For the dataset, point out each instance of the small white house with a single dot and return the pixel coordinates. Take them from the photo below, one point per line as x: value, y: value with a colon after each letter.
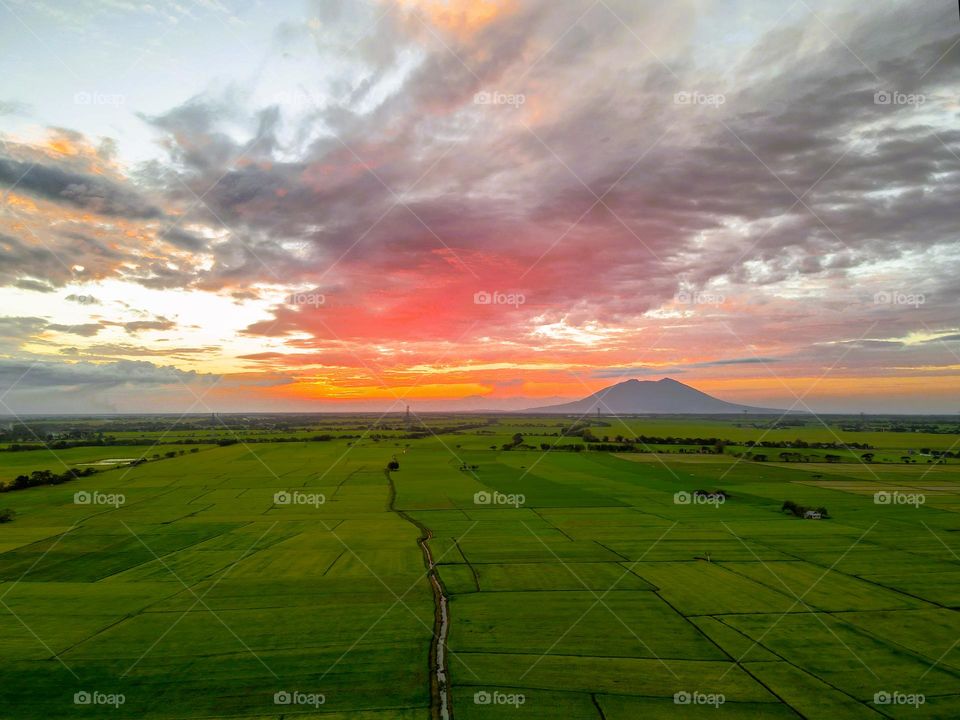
x: 812, y: 515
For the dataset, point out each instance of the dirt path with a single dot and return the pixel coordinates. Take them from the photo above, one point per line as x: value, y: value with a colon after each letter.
x: 440, y: 706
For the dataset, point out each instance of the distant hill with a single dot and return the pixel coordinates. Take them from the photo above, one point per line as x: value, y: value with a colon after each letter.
x: 648, y: 396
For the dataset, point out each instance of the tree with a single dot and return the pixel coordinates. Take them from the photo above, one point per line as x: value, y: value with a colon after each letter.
x: 393, y: 465
x: 20, y: 482
x: 801, y: 510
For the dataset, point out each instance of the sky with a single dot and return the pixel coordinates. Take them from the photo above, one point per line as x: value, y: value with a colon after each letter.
x: 477, y: 204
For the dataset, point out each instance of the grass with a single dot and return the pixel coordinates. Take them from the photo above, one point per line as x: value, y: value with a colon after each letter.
x: 200, y: 597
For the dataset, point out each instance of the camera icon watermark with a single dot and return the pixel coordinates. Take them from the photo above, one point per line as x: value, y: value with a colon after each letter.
x: 295, y: 497
x: 484, y: 497
x: 95, y: 697
x: 496, y: 297
x: 495, y: 697
x: 295, y: 697
x: 897, y: 297
x: 894, y: 97
x: 895, y: 497
x: 695, y: 697
x: 495, y: 97
x: 687, y: 97
x: 95, y: 497
x: 886, y: 697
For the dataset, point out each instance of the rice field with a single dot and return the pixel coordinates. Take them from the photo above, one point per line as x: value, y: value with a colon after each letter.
x: 278, y: 580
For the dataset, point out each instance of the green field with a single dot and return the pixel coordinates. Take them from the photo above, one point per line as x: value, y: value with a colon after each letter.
x: 579, y: 585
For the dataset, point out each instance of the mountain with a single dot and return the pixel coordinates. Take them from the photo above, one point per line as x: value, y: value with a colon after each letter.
x: 665, y: 396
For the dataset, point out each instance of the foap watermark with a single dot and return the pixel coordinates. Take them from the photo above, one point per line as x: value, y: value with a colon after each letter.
x: 498, y: 498
x: 685, y: 97
x: 95, y: 697
x: 695, y: 697
x: 895, y: 497
x: 699, y: 297
x: 495, y: 697
x: 296, y: 497
x: 495, y: 97
x: 309, y: 299
x: 90, y: 97
x: 895, y: 97
x: 95, y: 497
x: 886, y: 697
x: 699, y: 498
x: 295, y: 697
x: 896, y: 297
x: 483, y: 297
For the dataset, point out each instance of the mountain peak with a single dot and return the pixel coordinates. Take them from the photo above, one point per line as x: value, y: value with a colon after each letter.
x: 639, y: 397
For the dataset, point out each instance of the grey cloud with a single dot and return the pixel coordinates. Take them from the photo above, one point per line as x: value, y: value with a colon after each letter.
x: 141, y: 325
x: 85, y: 191
x: 50, y: 256
x: 84, y: 329
x: 20, y: 328
x: 34, y: 285
x: 183, y: 239
x: 105, y: 351
x: 490, y: 186
x: 51, y: 374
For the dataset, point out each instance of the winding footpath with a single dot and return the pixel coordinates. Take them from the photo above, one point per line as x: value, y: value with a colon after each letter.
x: 440, y: 707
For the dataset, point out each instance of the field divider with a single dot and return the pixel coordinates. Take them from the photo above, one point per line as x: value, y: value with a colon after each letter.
x: 799, y: 598
x: 783, y: 659
x: 722, y: 649
x: 473, y: 570
x: 599, y: 600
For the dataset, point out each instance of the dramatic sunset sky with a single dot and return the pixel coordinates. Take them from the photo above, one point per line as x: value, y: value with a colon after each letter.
x: 272, y: 205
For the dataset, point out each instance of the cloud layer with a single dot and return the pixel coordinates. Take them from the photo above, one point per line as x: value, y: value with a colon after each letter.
x: 529, y: 197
